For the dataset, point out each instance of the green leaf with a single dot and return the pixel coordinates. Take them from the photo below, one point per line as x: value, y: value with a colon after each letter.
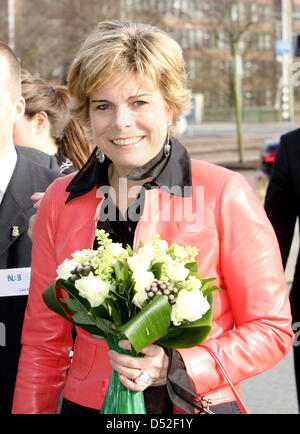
x: 211, y: 289
x: 83, y: 318
x: 50, y: 299
x: 107, y: 327
x: 69, y: 287
x: 150, y: 324
x: 113, y: 312
x: 100, y: 311
x: 129, y: 250
x: 156, y: 269
x: 189, y: 334
x: 205, y: 288
x: 121, y: 271
x: 192, y: 266
x: 141, y: 244
x: 73, y: 304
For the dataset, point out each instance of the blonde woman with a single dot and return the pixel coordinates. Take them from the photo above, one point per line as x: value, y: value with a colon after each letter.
x: 128, y: 85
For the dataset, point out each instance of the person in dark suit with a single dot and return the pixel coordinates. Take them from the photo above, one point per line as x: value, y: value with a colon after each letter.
x: 282, y: 205
x: 39, y: 157
x: 19, y: 179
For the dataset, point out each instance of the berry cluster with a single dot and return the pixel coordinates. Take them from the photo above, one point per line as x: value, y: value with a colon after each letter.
x: 163, y: 288
x: 81, y: 270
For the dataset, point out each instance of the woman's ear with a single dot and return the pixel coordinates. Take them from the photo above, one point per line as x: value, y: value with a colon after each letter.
x: 40, y: 121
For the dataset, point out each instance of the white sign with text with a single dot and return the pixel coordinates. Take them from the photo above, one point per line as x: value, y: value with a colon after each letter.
x: 14, y: 282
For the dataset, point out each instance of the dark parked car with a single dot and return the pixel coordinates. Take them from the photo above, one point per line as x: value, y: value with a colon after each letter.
x: 268, y: 153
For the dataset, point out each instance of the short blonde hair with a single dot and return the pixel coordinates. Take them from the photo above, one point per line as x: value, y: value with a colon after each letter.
x: 122, y: 48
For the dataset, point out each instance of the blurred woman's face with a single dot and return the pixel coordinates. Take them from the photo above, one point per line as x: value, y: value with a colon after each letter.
x: 129, y: 120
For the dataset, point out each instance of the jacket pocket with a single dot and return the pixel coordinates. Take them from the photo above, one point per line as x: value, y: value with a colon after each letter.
x: 83, y: 358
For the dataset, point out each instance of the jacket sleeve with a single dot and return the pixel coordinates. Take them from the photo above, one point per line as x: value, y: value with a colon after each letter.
x: 46, y: 337
x: 280, y: 203
x: 251, y: 272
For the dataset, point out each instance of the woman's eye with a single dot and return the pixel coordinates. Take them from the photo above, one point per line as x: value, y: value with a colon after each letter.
x: 102, y: 107
x: 140, y: 103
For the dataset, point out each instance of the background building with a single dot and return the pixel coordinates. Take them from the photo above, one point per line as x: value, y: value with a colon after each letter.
x: 47, y: 33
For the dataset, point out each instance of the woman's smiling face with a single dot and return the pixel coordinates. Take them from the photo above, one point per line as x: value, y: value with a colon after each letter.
x: 129, y: 120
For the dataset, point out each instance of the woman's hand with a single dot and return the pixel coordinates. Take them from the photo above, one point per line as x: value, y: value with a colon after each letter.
x: 154, y: 363
x: 36, y: 198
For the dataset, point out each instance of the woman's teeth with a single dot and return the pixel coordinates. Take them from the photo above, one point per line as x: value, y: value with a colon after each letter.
x: 129, y: 141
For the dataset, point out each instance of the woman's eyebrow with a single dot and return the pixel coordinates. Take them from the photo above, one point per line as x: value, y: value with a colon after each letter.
x: 130, y: 97
x: 99, y: 100
x: 140, y: 96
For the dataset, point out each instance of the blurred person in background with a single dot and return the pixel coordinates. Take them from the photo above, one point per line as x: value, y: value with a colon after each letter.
x: 46, y: 133
x: 19, y: 179
x: 48, y: 127
x: 282, y: 205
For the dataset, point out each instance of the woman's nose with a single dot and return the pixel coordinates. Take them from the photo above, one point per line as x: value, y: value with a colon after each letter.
x: 123, y: 117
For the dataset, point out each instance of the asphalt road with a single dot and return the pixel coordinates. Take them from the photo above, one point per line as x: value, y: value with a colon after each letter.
x: 274, y: 391
x: 217, y: 142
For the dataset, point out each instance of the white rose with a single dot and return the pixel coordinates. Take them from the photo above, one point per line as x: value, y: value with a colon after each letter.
x: 142, y: 279
x: 82, y: 256
x: 64, y: 269
x: 190, y: 306
x: 94, y: 289
x: 141, y: 260
x: 116, y: 249
x: 176, y: 271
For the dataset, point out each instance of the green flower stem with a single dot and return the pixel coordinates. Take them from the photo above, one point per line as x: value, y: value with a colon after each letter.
x: 119, y: 399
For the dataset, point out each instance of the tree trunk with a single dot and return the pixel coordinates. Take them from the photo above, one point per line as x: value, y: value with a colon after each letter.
x: 237, y: 98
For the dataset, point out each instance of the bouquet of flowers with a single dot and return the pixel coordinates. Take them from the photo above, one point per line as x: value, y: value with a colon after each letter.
x: 152, y: 295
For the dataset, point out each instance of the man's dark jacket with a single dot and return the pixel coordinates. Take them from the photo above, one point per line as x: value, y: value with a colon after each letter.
x: 15, y: 252
x: 282, y: 204
x: 39, y: 157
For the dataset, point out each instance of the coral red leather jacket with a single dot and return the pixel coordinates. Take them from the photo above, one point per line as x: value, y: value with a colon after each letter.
x: 251, y: 314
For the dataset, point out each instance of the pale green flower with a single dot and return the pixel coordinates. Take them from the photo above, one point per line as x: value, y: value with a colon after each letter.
x: 192, y: 283
x: 178, y: 252
x: 160, y: 248
x: 106, y: 255
x: 103, y: 238
x: 83, y: 256
x: 183, y: 254
x: 103, y: 266
x: 192, y: 252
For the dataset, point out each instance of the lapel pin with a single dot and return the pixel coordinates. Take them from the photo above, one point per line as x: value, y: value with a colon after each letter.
x: 15, y: 231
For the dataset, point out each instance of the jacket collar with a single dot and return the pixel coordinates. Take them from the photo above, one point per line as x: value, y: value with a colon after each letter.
x: 15, y: 204
x: 168, y: 172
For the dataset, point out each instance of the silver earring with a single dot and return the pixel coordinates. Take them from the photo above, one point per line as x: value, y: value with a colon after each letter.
x: 167, y: 147
x: 100, y: 156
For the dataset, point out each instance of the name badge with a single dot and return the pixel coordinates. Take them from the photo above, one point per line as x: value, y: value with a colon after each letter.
x: 14, y: 282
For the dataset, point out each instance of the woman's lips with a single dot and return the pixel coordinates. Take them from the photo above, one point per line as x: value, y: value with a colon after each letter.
x: 128, y: 142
